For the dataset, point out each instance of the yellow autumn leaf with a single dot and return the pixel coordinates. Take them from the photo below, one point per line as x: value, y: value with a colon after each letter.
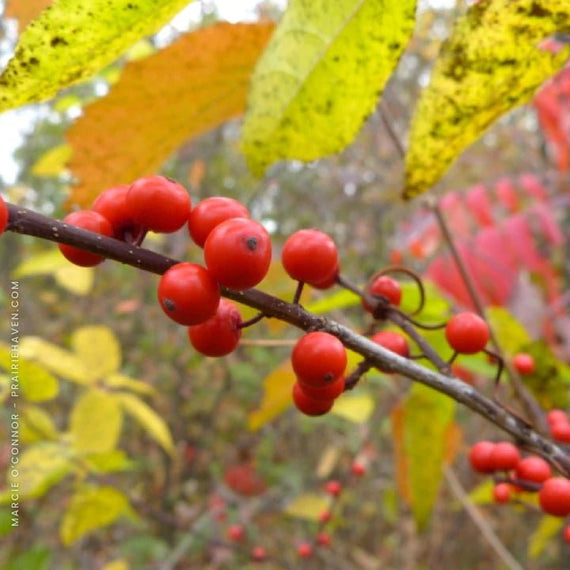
x: 119, y: 381
x: 51, y: 54
x: 77, y: 280
x: 308, y: 506
x: 491, y: 63
x: 61, y: 362
x: 195, y: 84
x: 109, y: 462
x: 355, y: 408
x: 35, y: 382
x: 98, y: 348
x: 41, y: 465
x: 36, y: 425
x: 548, y: 528
x: 53, y: 162
x: 277, y: 390
x: 119, y: 564
x: 154, y: 425
x: 96, y: 421
x: 91, y: 508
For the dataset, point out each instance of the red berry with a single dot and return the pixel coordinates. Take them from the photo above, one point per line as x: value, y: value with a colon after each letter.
x: 305, y: 550
x: 328, y: 392
x: 533, y: 468
x: 462, y: 373
x: 333, y: 487
x: 325, y: 517
x: 188, y: 294
x: 556, y: 416
x: 524, y: 363
x: 236, y: 532
x: 93, y: 222
x: 566, y: 533
x: 323, y: 539
x: 238, y: 253
x: 394, y: 341
x: 112, y: 204
x: 505, y: 456
x: 310, y: 406
x: 480, y: 457
x: 384, y: 286
x: 561, y: 432
x: 554, y: 496
x: 219, y: 335
x: 3, y: 215
x: 258, y: 554
x: 329, y: 281
x: 502, y: 492
x: 318, y: 359
x: 467, y: 333
x: 310, y: 256
x: 210, y: 213
x: 358, y: 469
x: 243, y: 479
x: 158, y: 203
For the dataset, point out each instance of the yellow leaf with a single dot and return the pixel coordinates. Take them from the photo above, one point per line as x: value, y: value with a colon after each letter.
x: 72, y: 40
x: 148, y: 419
x: 96, y: 420
x: 41, y: 466
x: 277, y: 389
x: 36, y: 425
x: 120, y: 381
x: 490, y: 64
x: 308, y: 506
x: 321, y: 76
x: 52, y: 162
x: 77, y: 280
x: 26, y: 11
x: 36, y: 383
x: 98, y: 348
x: 355, y: 408
x: 119, y: 564
x: 195, y: 84
x: 89, y: 509
x: 43, y: 263
x: 327, y: 461
x: 59, y: 361
x: 511, y: 334
x: 109, y: 462
x: 547, y: 529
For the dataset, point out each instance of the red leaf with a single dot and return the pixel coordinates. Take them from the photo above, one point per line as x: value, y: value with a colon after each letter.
x: 550, y: 228
x: 479, y: 205
x: 520, y: 241
x: 458, y: 218
x: 533, y: 186
x: 507, y: 194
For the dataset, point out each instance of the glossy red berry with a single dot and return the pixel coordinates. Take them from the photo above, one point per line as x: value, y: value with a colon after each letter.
x: 329, y: 281
x: 309, y: 406
x: 318, y: 359
x: 310, y: 256
x: 357, y: 468
x: 467, y: 333
x: 554, y: 496
x: 210, y: 213
x: 533, y: 468
x: 505, y: 456
x: 502, y: 492
x: 112, y: 204
x: 188, y: 294
x: 258, y: 554
x: 384, y: 287
x: 323, y: 539
x: 560, y: 431
x: 158, y: 203
x: 219, y: 335
x: 556, y: 416
x: 480, y: 457
x: 394, y: 341
x: 566, y: 534
x: 329, y: 392
x: 305, y: 550
x: 3, y: 215
x: 524, y: 363
x: 333, y: 487
x: 236, y: 532
x: 93, y: 222
x: 238, y: 253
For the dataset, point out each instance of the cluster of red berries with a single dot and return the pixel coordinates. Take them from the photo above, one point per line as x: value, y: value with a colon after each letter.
x: 559, y: 425
x: 515, y: 473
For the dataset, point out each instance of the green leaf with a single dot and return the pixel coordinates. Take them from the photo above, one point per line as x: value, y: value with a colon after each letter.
x: 73, y: 39
x: 36, y: 425
x: 308, y: 506
x: 98, y: 349
x: 6, y: 526
x: 321, y: 76
x: 148, y: 419
x: 490, y: 64
x: 427, y: 416
x: 121, y: 381
x: 36, y: 383
x: 548, y: 528
x: 109, y: 462
x: 33, y: 558
x: 41, y: 466
x: 59, y: 361
x: 511, y: 334
x: 89, y: 509
x: 334, y: 301
x: 96, y: 421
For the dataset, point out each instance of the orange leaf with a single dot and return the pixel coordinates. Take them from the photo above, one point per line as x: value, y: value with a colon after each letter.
x: 26, y: 11
x: 197, y: 83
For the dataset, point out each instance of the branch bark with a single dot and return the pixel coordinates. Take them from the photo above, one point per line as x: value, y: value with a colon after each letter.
x: 24, y: 221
